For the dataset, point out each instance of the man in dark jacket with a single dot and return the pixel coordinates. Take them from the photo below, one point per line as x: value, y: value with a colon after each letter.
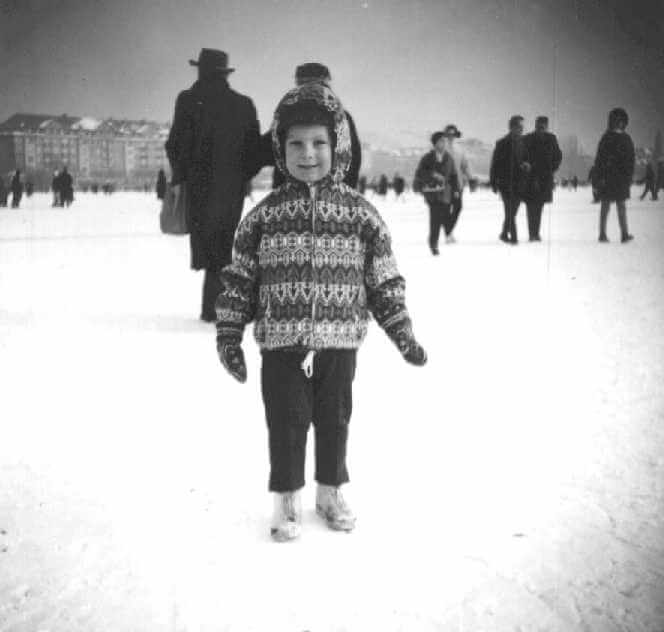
x: 507, y: 176
x: 544, y: 157
x: 303, y: 74
x: 212, y: 148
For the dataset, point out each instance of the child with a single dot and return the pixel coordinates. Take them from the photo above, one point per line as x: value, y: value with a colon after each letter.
x: 310, y: 263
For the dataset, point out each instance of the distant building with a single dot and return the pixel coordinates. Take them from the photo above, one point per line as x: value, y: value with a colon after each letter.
x: 126, y: 153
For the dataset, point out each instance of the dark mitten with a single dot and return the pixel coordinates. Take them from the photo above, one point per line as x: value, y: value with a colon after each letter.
x: 232, y: 357
x: 410, y: 349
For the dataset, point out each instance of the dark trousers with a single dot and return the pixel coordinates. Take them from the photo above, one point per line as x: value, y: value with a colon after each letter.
x: 451, y: 216
x: 511, y: 204
x: 219, y: 248
x: 650, y: 188
x: 293, y: 401
x: 437, y: 212
x: 442, y: 214
x: 534, y: 211
x: 16, y: 199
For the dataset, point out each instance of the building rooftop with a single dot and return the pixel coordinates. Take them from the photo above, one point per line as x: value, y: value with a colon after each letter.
x: 45, y: 123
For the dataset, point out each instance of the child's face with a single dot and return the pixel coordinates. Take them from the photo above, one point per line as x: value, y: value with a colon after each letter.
x: 308, y: 152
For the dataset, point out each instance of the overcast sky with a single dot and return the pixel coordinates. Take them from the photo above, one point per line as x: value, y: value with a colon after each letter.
x: 403, y: 69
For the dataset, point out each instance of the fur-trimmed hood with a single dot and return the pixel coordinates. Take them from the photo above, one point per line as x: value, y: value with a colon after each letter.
x: 320, y: 95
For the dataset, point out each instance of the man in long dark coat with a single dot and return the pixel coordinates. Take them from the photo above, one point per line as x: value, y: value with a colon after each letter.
x: 507, y: 175
x: 212, y: 148
x: 305, y: 73
x: 544, y: 157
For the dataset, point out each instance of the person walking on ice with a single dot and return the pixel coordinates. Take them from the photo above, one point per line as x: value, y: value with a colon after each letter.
x: 613, y: 172
x: 310, y: 263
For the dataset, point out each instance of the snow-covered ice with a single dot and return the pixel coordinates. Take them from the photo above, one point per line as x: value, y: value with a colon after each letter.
x: 514, y: 483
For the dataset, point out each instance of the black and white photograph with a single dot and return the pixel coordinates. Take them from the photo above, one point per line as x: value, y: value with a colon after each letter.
x: 331, y: 316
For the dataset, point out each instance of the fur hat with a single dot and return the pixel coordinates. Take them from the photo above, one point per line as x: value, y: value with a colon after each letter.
x: 312, y: 71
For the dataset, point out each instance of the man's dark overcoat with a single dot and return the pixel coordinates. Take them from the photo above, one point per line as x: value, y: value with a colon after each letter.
x: 544, y: 156
x: 212, y: 147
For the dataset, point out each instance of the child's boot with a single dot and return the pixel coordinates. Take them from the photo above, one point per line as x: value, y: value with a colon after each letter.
x: 287, y: 516
x: 331, y: 505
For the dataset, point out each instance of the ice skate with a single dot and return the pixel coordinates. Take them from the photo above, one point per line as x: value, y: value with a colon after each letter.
x: 603, y: 239
x: 287, y: 517
x: 451, y: 239
x: 332, y: 507
x: 625, y: 238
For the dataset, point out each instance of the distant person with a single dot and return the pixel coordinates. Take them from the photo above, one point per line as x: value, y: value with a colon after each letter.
x: 508, y: 175
x: 212, y: 148
x: 161, y: 185
x: 66, y: 187
x: 650, y: 181
x: 383, y: 185
x: 660, y: 174
x: 55, y: 187
x: 614, y: 170
x: 435, y: 178
x: 362, y: 185
x: 3, y: 192
x: 544, y: 157
x: 399, y: 185
x: 16, y: 189
x: 460, y: 177
x: 29, y: 188
x: 575, y: 182
x: 307, y: 73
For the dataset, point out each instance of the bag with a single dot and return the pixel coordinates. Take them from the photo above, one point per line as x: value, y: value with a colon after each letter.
x: 172, y: 218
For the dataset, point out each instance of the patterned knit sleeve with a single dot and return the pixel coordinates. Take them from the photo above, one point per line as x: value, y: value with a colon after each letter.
x: 386, y: 288
x: 236, y: 304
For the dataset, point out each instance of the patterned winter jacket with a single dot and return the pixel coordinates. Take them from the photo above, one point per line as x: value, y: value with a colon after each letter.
x: 312, y: 262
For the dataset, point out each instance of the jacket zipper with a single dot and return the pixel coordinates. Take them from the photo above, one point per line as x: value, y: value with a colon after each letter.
x: 312, y: 191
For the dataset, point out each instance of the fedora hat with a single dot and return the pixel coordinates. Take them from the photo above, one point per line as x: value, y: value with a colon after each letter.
x: 452, y: 130
x: 212, y: 59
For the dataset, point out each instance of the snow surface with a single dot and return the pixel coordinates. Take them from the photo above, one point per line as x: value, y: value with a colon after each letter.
x: 514, y: 483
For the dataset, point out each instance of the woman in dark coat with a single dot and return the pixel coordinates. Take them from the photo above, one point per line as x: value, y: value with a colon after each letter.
x: 212, y: 148
x: 613, y: 172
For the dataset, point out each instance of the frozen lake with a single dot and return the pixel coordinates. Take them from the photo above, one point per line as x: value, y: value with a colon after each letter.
x: 514, y: 483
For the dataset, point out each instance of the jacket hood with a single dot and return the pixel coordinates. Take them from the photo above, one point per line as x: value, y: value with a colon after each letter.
x: 320, y: 95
